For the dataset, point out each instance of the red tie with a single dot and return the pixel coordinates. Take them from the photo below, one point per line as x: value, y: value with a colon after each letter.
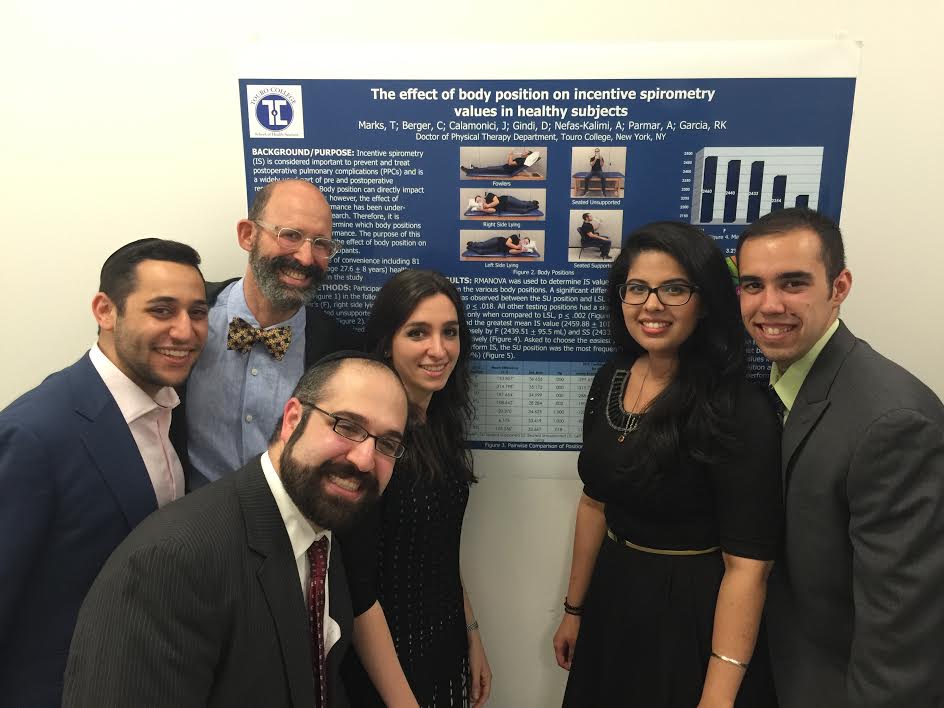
x: 318, y: 557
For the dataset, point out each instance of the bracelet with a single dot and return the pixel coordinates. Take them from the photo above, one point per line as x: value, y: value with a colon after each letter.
x: 721, y: 657
x: 472, y: 627
x: 576, y: 610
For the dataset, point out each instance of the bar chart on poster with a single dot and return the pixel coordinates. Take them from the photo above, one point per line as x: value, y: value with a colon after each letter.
x: 738, y: 185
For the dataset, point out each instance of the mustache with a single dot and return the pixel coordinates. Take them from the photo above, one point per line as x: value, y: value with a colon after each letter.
x: 311, y: 271
x: 345, y: 470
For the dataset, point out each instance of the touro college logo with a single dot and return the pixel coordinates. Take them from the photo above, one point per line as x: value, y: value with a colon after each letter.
x: 275, y: 111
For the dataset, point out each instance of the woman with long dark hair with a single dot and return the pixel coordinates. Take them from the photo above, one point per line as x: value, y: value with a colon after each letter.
x: 418, y: 324
x: 680, y: 515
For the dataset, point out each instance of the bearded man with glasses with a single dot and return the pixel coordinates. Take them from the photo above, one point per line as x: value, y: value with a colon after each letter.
x: 265, y: 330
x: 237, y: 595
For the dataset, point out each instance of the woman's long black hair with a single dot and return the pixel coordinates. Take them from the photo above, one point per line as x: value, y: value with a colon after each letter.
x: 436, y: 446
x: 694, y: 416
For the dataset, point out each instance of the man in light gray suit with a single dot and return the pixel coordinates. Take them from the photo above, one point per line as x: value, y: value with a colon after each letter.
x: 855, y: 607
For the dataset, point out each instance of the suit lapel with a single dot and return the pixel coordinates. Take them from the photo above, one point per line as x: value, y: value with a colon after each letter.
x: 813, y: 398
x: 110, y: 444
x: 278, y: 578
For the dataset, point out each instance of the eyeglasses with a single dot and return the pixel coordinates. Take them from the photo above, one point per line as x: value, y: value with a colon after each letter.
x: 292, y: 239
x: 671, y: 294
x: 353, y: 431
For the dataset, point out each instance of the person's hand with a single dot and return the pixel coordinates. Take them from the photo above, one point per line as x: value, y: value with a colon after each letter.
x: 565, y: 638
x: 480, y: 671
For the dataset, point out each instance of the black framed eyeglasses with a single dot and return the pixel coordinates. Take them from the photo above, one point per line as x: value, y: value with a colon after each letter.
x: 292, y: 239
x: 353, y: 431
x: 670, y: 294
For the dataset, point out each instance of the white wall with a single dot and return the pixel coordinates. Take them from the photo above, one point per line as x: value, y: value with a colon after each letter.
x: 120, y: 120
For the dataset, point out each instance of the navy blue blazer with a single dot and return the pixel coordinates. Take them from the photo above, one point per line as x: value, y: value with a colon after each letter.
x: 72, y: 486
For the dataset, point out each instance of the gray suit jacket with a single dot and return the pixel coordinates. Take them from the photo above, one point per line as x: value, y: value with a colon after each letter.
x: 855, y: 611
x: 201, y: 606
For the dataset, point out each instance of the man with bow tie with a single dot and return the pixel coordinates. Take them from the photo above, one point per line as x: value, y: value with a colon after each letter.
x: 264, y: 332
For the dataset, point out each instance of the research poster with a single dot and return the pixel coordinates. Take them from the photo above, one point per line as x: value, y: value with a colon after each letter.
x: 500, y: 184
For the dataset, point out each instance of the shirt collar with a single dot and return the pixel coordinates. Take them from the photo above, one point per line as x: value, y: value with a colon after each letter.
x: 132, y: 401
x: 787, y: 383
x: 301, y: 532
x: 236, y: 307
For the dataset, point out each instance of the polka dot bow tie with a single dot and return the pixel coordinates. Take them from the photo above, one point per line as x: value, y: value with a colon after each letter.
x: 242, y: 336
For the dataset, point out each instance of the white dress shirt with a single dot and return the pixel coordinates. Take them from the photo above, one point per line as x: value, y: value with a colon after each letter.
x: 149, y: 421
x: 301, y: 534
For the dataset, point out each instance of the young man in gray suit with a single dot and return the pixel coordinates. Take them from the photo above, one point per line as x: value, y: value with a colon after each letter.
x: 855, y: 608
x: 236, y: 595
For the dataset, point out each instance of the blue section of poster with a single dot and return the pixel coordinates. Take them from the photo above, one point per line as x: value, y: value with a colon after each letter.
x: 498, y: 185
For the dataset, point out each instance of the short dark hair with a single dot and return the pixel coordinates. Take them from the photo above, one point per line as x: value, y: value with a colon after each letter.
x: 832, y: 252
x: 119, y: 272
x: 585, y: 215
x: 515, y: 239
x: 315, y: 381
x: 313, y: 385
x: 261, y: 198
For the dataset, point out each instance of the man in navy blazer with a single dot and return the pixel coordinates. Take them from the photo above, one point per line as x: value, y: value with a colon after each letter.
x: 855, y: 614
x: 85, y: 457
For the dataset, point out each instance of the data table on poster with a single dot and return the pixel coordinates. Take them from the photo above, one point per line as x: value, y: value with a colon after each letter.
x: 529, y: 403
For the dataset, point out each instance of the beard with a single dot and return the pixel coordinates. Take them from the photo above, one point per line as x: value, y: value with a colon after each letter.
x: 282, y: 296
x: 305, y: 485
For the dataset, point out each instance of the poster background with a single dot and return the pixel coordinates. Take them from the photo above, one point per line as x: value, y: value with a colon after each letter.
x: 386, y: 160
x: 108, y: 135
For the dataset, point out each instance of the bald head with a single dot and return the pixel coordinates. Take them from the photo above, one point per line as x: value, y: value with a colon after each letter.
x: 283, y: 274
x: 291, y: 188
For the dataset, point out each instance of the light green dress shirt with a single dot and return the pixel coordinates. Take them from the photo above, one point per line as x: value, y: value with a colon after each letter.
x: 787, y: 383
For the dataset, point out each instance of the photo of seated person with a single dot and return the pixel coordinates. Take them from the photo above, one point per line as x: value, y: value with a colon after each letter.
x: 592, y: 235
x: 598, y: 172
x: 517, y: 163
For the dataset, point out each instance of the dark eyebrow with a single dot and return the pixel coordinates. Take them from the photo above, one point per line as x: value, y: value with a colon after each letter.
x: 420, y: 323
x: 795, y: 275
x: 362, y: 421
x: 670, y: 281
x: 168, y: 300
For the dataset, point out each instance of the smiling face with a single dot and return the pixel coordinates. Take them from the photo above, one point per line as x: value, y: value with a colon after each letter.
x: 426, y: 347
x: 787, y: 300
x: 160, y: 331
x: 331, y: 479
x: 288, y: 279
x: 657, y: 328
